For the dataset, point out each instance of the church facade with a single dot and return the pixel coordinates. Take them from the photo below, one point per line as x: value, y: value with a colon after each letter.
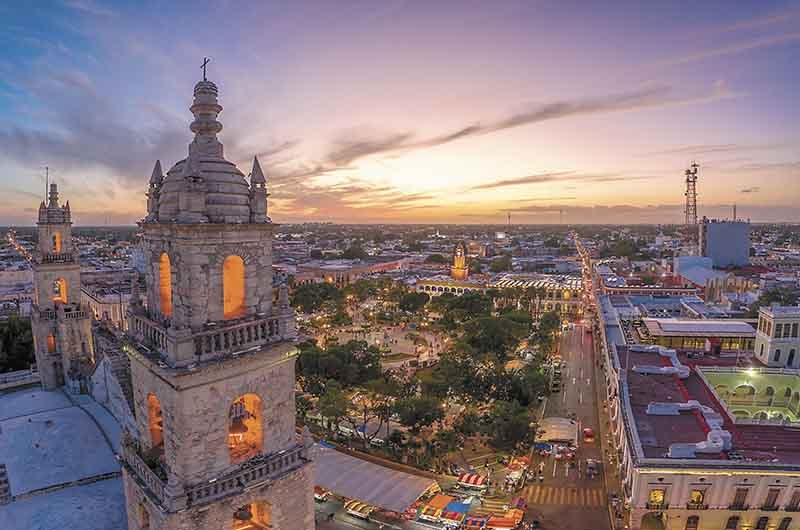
x: 212, y: 355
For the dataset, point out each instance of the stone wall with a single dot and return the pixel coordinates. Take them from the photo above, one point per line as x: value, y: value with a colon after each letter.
x: 196, y: 406
x: 290, y: 498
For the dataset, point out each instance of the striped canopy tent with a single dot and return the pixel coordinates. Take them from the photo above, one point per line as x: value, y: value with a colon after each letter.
x: 472, y: 480
x: 474, y: 522
x: 358, y: 508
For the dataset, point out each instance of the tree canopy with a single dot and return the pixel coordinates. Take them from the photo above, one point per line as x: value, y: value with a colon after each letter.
x: 310, y: 297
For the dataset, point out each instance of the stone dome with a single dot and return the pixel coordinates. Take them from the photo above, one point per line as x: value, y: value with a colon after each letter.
x: 204, y: 187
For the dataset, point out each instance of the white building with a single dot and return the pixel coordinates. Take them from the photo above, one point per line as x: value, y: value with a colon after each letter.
x: 777, y: 340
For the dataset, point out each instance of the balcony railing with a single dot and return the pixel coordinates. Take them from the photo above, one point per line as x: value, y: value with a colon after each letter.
x: 238, y: 337
x: 149, y: 331
x: 57, y: 258
x: 254, y: 471
x: 143, y: 472
x: 769, y: 508
x: 696, y: 506
x: 739, y: 506
x: 792, y: 508
x: 657, y: 505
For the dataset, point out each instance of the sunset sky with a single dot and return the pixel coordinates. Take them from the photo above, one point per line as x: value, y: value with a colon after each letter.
x: 411, y: 111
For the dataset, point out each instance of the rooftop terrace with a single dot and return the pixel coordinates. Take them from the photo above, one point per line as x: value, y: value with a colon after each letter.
x: 674, y: 412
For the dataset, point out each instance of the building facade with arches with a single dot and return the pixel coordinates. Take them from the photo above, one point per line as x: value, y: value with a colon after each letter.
x: 212, y: 354
x: 61, y: 324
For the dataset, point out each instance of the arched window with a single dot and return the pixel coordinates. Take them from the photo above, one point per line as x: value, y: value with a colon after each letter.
x: 790, y: 359
x: 787, y: 393
x: 253, y: 515
x: 692, y: 522
x: 165, y: 285
x: 777, y: 356
x: 245, y: 428
x: 60, y: 290
x: 733, y: 523
x: 769, y: 391
x: 57, y: 243
x: 51, y: 343
x: 233, y: 287
x: 785, y: 522
x: 155, y: 421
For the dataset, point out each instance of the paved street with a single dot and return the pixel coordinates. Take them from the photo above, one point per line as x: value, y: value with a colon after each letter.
x: 564, y: 486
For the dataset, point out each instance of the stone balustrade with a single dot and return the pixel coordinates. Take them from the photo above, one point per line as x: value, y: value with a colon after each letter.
x: 257, y: 470
x: 149, y: 331
x: 237, y: 337
x: 64, y: 257
x: 254, y: 471
x: 142, y: 471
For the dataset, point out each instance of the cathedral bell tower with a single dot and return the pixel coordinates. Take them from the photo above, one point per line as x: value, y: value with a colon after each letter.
x: 459, y: 270
x: 62, y: 328
x: 212, y: 357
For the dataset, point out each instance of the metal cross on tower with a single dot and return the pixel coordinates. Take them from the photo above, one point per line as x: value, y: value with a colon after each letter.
x: 206, y: 60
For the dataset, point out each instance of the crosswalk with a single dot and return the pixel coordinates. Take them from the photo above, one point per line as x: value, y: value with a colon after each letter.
x: 536, y: 494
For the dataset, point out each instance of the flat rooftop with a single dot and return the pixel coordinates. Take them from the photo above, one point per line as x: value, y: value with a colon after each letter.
x: 751, y: 443
x: 680, y: 327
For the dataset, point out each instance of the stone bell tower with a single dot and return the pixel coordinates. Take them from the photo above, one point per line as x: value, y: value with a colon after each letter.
x: 62, y: 328
x: 212, y: 357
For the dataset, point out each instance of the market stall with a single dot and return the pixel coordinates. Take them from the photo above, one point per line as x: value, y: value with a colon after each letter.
x: 358, y: 509
x: 474, y: 481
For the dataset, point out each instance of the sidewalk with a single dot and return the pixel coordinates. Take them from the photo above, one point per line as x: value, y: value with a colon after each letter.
x: 611, y: 478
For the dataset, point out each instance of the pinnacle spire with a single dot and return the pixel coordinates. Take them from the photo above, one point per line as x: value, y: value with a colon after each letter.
x: 157, y: 176
x: 257, y: 175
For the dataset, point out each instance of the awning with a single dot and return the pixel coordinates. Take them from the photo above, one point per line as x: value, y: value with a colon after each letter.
x: 359, y: 508
x: 440, y: 501
x: 355, y: 478
x: 472, y: 480
x: 456, y: 506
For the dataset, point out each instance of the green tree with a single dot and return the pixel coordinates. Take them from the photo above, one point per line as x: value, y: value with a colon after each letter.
x: 773, y: 296
x: 436, y: 258
x: 310, y: 297
x: 475, y: 266
x: 302, y: 406
x: 16, y: 345
x: 417, y: 412
x: 333, y: 405
x: 508, y: 426
x: 493, y: 335
x: 354, y: 251
x: 413, y: 302
x: 501, y: 264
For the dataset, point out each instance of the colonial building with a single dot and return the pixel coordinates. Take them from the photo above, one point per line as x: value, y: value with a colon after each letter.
x: 62, y: 328
x: 778, y: 337
x: 696, y: 446
x: 212, y: 358
x: 458, y: 282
